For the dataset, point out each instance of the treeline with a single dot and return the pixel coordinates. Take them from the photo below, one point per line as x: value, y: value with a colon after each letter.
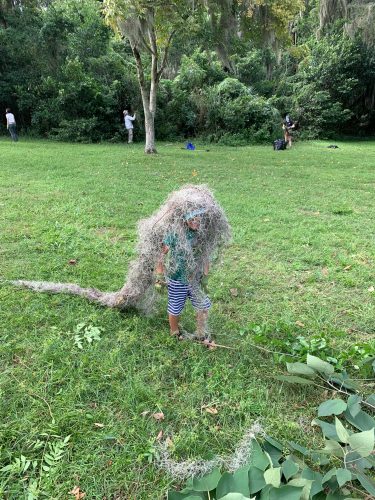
x: 67, y: 76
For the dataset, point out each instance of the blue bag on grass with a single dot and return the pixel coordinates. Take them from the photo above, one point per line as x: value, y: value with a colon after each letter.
x: 190, y: 146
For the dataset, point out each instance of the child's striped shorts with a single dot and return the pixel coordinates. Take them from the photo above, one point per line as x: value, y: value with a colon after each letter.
x: 178, y: 293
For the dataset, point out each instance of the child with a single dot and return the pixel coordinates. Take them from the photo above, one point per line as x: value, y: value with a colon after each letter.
x: 184, y: 282
x: 188, y: 231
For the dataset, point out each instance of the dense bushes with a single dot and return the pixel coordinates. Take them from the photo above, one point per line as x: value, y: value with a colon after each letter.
x: 203, y: 101
x: 72, y: 79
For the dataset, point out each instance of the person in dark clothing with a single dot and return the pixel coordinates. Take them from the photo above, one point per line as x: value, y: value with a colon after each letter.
x: 288, y: 127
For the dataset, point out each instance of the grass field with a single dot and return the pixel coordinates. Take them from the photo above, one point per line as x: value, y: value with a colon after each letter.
x: 301, y: 264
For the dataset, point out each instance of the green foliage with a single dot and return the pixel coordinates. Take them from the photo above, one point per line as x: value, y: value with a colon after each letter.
x: 46, y: 455
x: 73, y: 77
x: 283, y: 475
x: 83, y: 334
x: 289, y: 346
x: 329, y: 89
x: 202, y: 101
x: 79, y: 130
x: 199, y: 70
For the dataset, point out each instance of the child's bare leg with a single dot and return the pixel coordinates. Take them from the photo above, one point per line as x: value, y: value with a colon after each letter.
x: 174, y: 323
x: 202, y: 323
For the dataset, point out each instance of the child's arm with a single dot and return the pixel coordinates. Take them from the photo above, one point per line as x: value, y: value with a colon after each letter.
x: 160, y: 265
x: 206, y: 269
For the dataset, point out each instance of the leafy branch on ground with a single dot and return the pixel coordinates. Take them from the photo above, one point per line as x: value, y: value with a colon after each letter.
x: 285, y: 345
x: 294, y: 472
x: 84, y: 334
x: 43, y: 460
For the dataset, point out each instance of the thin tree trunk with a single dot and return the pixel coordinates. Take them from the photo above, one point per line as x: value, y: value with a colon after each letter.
x: 150, y: 115
x: 149, y: 103
x: 150, y: 133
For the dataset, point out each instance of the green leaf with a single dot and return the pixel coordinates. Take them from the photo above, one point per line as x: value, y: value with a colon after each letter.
x: 285, y: 493
x: 366, y: 482
x: 298, y: 447
x: 273, y: 476
x: 320, y: 365
x: 329, y: 475
x: 333, y: 448
x: 274, y: 443
x: 335, y: 495
x: 343, y: 476
x: 316, y: 477
x: 371, y: 400
x: 331, y: 407
x: 342, y: 381
x: 258, y: 458
x: 289, y: 468
x: 354, y: 404
x: 293, y: 379
x: 274, y: 453
x: 188, y: 495
x: 265, y: 493
x: 207, y: 482
x: 362, y: 442
x: 256, y: 480
x: 342, y: 433
x: 329, y: 430
x: 354, y: 459
x: 303, y: 483
x: 234, y: 496
x: 362, y: 421
x: 300, y: 369
x: 237, y: 483
x: 319, y: 459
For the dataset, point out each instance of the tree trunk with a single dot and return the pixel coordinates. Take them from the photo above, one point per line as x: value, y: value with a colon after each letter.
x: 151, y: 111
x: 148, y: 101
x: 150, y: 132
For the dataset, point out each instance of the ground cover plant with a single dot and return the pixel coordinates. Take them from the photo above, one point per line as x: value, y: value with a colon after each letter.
x: 276, y: 472
x: 87, y: 392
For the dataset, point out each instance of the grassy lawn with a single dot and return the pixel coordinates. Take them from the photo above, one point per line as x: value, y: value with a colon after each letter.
x: 301, y: 264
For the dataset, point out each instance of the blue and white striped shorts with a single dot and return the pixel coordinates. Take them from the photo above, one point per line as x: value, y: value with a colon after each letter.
x: 178, y: 293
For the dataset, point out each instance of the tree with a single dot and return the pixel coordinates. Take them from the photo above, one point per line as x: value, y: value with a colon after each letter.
x: 149, y: 26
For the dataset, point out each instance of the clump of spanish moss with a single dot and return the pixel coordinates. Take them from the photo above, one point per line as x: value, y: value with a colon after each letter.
x: 139, y: 291
x: 193, y: 468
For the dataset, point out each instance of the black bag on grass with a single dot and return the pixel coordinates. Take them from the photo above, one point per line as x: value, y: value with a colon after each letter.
x: 279, y: 144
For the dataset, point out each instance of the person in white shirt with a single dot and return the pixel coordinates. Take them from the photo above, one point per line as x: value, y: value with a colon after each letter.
x: 128, y: 122
x: 11, y: 124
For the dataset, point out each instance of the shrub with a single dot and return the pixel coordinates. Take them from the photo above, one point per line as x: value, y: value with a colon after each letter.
x: 233, y: 108
x: 78, y: 130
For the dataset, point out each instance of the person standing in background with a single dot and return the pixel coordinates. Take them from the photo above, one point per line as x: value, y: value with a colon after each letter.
x: 11, y: 124
x: 288, y: 127
x: 128, y: 122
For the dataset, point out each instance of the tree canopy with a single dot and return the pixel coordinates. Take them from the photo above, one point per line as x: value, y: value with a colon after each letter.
x: 226, y: 71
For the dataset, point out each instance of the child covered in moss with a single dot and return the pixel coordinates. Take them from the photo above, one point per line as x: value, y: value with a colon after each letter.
x: 186, y: 281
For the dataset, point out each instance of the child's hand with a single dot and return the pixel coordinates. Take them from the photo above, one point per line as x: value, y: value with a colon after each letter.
x: 159, y: 282
x: 204, y: 283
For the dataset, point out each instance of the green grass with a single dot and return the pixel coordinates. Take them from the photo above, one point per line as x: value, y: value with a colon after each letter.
x: 303, y: 251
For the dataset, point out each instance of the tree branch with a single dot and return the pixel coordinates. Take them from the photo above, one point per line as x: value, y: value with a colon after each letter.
x: 141, y: 75
x: 165, y: 56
